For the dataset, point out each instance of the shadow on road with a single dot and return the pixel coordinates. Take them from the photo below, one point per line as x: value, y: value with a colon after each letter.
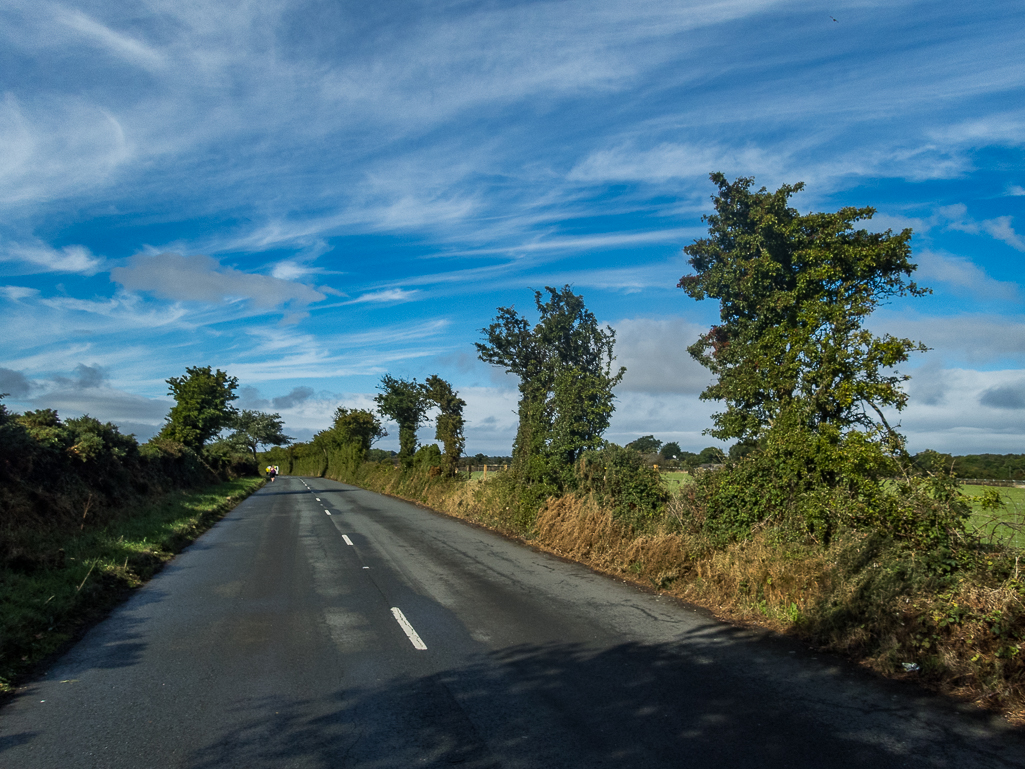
x: 631, y: 705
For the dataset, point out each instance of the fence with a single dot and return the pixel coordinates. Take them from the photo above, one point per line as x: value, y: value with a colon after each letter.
x: 988, y: 482
x: 470, y: 469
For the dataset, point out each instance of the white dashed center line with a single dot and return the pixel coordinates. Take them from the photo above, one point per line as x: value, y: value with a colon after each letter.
x: 408, y: 629
x: 347, y: 540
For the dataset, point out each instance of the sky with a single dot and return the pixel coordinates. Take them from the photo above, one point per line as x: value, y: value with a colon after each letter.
x: 312, y: 194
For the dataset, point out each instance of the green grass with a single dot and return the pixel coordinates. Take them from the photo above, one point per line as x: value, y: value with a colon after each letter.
x: 478, y: 475
x: 74, y: 577
x: 1005, y: 525
x: 677, y: 478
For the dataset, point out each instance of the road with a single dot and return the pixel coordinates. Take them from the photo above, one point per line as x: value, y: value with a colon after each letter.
x: 320, y: 625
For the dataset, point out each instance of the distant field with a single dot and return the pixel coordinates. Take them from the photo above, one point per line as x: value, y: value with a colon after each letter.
x: 1006, y: 525
x: 675, y: 480
x: 477, y: 475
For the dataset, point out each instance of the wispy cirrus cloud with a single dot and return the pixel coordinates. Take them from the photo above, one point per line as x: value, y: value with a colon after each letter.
x: 37, y: 257
x: 964, y: 277
x: 119, y: 44
x: 956, y: 217
x: 386, y: 296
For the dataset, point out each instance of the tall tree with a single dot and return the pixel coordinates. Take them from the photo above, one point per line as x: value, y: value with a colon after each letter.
x: 795, y: 291
x: 670, y: 450
x: 253, y: 429
x: 202, y: 406
x: 405, y: 402
x: 564, y: 364
x: 649, y: 444
x: 449, y: 424
x: 358, y: 427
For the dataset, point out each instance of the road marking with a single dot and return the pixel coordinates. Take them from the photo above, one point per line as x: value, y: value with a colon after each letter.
x: 347, y: 540
x: 318, y: 499
x: 408, y: 629
x: 328, y: 512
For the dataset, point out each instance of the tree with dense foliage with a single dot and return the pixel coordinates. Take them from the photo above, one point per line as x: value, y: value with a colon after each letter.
x: 359, y: 427
x: 670, y: 450
x: 795, y: 291
x: 252, y: 429
x: 649, y: 444
x: 405, y: 402
x: 564, y: 364
x: 449, y: 424
x: 202, y: 406
x: 803, y: 381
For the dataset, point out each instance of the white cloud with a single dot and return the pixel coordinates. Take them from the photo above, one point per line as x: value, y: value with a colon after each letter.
x: 670, y: 161
x: 116, y: 43
x: 676, y: 417
x: 39, y: 257
x: 964, y: 277
x: 969, y: 338
x: 388, y: 296
x: 1000, y: 229
x: 56, y: 146
x: 201, y: 278
x: 17, y: 293
x: 655, y: 355
x: 972, y: 414
x: 956, y: 218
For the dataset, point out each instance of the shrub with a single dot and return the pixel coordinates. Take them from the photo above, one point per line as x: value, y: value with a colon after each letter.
x: 624, y: 483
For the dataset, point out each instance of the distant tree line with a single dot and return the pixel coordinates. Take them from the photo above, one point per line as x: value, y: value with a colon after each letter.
x: 349, y: 441
x: 996, y: 467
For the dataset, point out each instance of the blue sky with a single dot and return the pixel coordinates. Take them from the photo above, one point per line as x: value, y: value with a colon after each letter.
x: 312, y: 194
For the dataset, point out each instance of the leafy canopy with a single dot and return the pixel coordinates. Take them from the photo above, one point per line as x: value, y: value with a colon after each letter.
x: 358, y: 427
x: 564, y: 364
x: 404, y: 401
x: 795, y: 291
x: 448, y: 428
x: 202, y: 406
x: 649, y: 444
x: 253, y: 429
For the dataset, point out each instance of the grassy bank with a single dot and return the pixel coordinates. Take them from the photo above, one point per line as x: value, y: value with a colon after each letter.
x: 76, y: 575
x: 956, y: 625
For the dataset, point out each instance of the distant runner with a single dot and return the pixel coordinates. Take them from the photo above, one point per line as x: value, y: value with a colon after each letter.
x: 271, y: 472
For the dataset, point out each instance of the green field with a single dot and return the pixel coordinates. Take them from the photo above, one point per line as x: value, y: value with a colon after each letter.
x: 676, y: 479
x: 1005, y: 525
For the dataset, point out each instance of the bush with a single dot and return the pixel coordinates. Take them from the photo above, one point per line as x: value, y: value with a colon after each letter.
x: 624, y: 483
x: 427, y: 456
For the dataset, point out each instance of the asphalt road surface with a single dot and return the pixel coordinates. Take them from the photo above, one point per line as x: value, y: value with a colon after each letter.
x: 320, y: 625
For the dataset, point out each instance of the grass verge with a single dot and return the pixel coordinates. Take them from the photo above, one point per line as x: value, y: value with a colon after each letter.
x: 48, y: 604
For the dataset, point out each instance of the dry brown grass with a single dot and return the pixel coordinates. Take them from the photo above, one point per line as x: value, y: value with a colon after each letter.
x: 747, y: 580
